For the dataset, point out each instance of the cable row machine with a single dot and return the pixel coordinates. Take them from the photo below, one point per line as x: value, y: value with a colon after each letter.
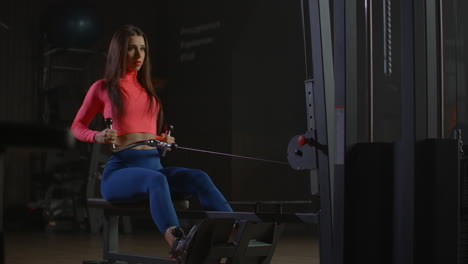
x: 400, y: 200
x: 259, y: 229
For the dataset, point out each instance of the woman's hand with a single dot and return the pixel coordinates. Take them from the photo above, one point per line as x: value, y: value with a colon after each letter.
x: 167, y: 139
x: 106, y: 136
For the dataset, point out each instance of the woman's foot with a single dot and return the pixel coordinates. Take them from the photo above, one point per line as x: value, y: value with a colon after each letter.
x: 182, y: 243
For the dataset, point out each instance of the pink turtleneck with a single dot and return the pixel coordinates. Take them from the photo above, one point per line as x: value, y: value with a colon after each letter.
x: 135, y: 101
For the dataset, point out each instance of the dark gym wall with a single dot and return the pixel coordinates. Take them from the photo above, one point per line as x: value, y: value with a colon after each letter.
x: 268, y: 98
x: 18, y: 82
x: 198, y: 96
x: 21, y: 69
x: 245, y: 97
x: 239, y: 89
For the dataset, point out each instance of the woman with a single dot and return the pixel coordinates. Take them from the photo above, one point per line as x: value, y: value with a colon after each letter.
x: 126, y: 95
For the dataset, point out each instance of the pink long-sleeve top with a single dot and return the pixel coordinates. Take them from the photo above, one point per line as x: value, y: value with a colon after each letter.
x: 135, y: 102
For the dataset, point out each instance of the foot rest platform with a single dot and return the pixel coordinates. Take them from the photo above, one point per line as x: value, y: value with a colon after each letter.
x: 255, y: 241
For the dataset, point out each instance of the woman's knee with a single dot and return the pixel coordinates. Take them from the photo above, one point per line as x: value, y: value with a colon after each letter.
x: 201, y: 179
x: 198, y: 175
x: 157, y: 180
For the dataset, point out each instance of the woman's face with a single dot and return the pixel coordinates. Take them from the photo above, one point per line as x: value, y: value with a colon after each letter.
x: 135, y: 53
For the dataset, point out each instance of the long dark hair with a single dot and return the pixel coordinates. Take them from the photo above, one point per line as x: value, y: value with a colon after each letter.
x: 116, y: 68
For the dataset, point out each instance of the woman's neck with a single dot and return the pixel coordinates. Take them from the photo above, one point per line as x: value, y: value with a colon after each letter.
x: 130, y: 76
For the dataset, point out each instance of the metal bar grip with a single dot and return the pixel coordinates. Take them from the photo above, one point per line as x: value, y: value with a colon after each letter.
x: 164, y: 148
x: 109, y: 122
x: 149, y: 142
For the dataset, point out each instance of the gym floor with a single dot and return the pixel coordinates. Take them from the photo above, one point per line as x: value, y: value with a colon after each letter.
x: 294, y: 247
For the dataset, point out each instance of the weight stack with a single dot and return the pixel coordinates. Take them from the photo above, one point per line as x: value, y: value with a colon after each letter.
x: 464, y: 209
x: 368, y: 217
x: 437, y: 202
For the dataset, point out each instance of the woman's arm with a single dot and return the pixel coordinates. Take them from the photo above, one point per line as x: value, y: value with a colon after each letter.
x: 92, y: 104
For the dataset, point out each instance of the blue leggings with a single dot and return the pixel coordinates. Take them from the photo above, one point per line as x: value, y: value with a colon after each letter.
x: 135, y: 175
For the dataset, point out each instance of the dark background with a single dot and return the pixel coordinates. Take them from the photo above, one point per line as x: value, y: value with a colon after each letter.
x: 230, y: 74
x: 234, y: 86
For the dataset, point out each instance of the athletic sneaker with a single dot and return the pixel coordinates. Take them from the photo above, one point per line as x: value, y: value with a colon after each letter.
x: 182, y: 244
